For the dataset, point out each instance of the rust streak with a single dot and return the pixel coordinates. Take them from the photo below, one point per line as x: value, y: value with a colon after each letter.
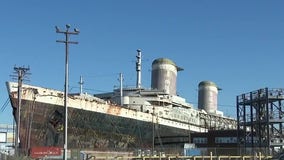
x: 114, y: 110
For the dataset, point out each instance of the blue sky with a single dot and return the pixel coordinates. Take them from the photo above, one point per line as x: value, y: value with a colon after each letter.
x: 239, y: 45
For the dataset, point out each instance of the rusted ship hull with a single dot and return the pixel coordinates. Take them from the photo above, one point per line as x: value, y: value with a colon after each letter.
x: 41, y: 124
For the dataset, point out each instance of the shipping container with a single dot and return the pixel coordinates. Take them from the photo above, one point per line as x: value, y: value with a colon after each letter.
x: 40, y: 152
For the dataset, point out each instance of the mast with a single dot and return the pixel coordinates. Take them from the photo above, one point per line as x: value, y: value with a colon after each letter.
x: 121, y: 88
x: 81, y: 85
x: 138, y: 68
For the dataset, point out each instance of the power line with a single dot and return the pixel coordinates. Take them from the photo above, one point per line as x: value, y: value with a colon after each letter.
x: 4, y: 105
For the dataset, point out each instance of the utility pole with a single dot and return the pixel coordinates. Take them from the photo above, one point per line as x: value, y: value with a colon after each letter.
x: 67, y: 42
x: 21, y: 72
x: 153, y: 130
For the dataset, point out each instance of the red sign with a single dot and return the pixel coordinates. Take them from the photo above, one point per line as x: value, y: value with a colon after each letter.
x: 39, y: 152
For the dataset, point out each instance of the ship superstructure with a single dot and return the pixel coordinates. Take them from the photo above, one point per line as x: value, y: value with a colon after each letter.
x: 125, y: 118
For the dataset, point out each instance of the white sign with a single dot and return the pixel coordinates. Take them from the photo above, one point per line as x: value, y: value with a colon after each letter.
x: 3, y: 137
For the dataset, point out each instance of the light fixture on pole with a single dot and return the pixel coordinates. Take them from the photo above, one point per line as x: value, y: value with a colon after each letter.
x: 66, y: 41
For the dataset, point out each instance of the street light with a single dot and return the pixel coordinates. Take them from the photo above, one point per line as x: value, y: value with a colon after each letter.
x: 66, y: 41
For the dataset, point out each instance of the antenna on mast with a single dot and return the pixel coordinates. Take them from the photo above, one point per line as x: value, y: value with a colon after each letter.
x: 138, y: 68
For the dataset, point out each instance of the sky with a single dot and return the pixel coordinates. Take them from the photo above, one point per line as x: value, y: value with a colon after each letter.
x: 239, y: 45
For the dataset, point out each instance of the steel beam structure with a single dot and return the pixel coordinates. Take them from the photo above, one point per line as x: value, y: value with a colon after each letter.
x: 260, y: 120
x: 214, y: 122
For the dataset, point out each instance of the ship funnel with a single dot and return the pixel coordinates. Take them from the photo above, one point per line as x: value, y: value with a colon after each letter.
x: 164, y: 75
x: 208, y: 96
x: 138, y: 68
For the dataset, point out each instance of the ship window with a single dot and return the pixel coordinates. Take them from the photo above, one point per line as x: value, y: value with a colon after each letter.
x: 200, y: 140
x: 225, y: 139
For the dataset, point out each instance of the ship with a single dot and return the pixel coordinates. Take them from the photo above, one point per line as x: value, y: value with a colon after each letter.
x: 125, y: 119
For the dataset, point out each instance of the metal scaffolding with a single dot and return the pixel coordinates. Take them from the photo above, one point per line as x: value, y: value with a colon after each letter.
x: 260, y: 120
